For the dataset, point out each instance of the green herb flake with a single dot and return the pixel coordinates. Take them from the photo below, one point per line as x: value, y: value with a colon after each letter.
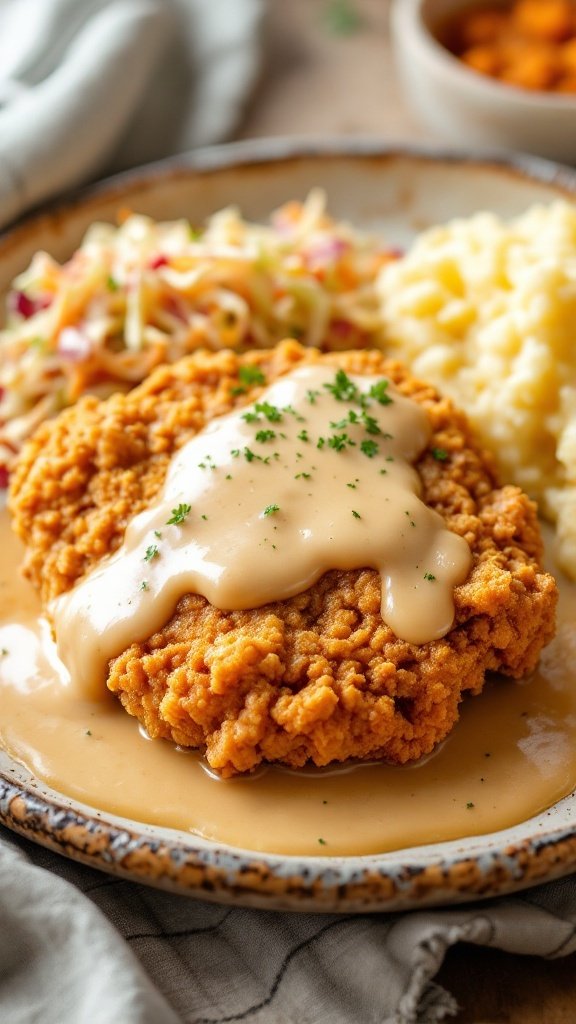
x: 356, y: 514
x: 440, y: 454
x: 88, y: 732
x: 323, y: 842
x: 204, y: 517
x: 469, y: 805
x: 248, y: 375
x: 270, y: 510
x: 342, y: 18
x: 340, y: 441
x: 429, y: 576
x: 369, y: 448
x: 251, y: 375
x: 144, y: 585
x: 312, y: 395
x: 271, y: 412
x: 292, y: 411
x: 112, y: 284
x: 4, y: 652
x: 303, y: 435
x: 370, y: 424
x: 302, y: 476
x: 151, y: 552
x: 157, y: 533
x: 265, y: 435
x: 379, y: 392
x: 179, y: 514
x: 343, y: 389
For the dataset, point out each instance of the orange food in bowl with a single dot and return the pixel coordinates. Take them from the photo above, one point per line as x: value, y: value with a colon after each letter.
x: 530, y: 44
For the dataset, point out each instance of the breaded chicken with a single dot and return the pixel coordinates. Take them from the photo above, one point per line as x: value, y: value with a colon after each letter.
x: 319, y: 677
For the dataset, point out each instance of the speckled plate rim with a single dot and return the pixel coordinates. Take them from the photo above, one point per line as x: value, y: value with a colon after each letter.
x: 538, y: 850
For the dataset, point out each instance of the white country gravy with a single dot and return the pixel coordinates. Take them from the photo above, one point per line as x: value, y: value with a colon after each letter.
x: 316, y: 475
x: 512, y: 754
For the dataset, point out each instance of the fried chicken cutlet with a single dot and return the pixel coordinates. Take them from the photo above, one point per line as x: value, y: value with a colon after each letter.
x: 318, y: 677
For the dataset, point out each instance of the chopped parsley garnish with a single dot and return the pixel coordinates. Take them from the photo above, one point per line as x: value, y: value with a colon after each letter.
x: 151, y: 552
x: 379, y: 392
x: 290, y: 409
x: 370, y: 424
x: 429, y: 576
x: 356, y: 514
x: 370, y: 448
x: 248, y: 375
x: 469, y: 805
x: 112, y: 284
x: 302, y: 476
x: 312, y: 395
x: 179, y: 514
x: 303, y: 435
x: 144, y: 585
x: 440, y: 454
x: 4, y: 652
x: 270, y: 510
x: 88, y: 732
x: 157, y: 533
x: 251, y: 375
x: 340, y: 441
x: 265, y: 435
x: 352, y: 417
x: 343, y: 389
x: 322, y: 842
x: 342, y: 17
x: 271, y: 412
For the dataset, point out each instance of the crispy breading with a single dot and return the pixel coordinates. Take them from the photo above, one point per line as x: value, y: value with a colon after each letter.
x: 319, y: 677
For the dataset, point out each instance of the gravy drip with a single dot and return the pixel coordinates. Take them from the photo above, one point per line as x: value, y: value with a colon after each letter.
x: 512, y: 755
x: 316, y: 475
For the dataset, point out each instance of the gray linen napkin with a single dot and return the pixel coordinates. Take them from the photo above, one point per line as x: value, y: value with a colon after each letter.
x: 89, y: 87
x: 170, y: 959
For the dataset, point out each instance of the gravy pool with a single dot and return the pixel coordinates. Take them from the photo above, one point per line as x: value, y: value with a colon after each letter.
x: 512, y: 755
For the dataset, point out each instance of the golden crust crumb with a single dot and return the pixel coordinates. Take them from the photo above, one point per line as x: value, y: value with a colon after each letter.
x: 317, y: 678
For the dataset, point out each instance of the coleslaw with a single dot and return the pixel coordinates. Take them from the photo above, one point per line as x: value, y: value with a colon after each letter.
x: 141, y: 293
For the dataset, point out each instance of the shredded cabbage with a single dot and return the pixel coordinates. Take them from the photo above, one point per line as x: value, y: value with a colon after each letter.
x: 143, y: 293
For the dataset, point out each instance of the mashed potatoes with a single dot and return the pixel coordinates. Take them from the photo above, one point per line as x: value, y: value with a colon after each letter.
x: 486, y: 310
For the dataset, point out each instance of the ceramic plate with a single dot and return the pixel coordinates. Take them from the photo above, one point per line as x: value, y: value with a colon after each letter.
x: 398, y: 193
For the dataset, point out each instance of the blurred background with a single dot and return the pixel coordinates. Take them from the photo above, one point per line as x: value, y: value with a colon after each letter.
x: 328, y: 69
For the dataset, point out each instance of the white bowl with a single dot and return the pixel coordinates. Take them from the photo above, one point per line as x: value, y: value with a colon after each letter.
x: 468, y: 108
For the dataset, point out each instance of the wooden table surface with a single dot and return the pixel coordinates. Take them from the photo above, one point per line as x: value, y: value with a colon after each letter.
x: 324, y: 77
